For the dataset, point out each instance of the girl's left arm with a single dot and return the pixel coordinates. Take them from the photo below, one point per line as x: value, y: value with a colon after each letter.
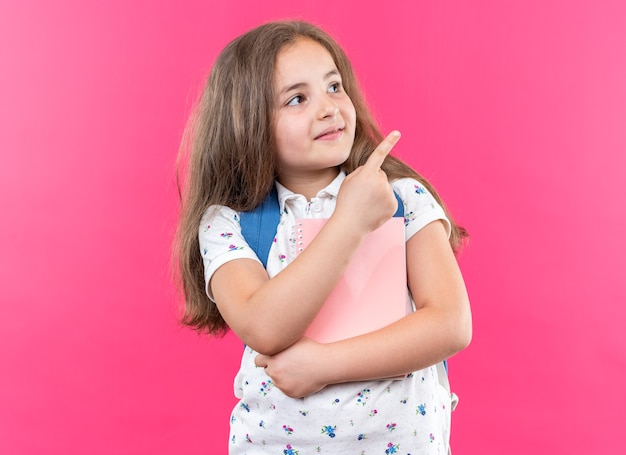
x: 440, y: 327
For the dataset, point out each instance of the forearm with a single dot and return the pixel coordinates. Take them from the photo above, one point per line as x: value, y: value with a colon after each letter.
x: 419, y: 340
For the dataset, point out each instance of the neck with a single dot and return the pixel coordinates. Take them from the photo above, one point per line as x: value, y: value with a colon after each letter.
x: 310, y: 184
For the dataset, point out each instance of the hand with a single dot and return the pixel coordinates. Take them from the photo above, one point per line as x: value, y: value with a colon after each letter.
x: 366, y: 195
x: 296, y: 371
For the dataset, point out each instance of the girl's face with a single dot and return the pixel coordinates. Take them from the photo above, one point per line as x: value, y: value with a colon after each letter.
x: 315, y: 119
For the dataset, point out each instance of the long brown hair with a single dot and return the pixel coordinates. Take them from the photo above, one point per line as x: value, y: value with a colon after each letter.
x: 229, y: 148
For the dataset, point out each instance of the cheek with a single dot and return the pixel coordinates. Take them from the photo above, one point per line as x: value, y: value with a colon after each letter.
x: 286, y: 142
x: 350, y: 114
x: 281, y: 132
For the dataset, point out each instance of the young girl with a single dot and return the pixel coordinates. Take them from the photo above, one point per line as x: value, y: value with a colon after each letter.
x: 282, y: 108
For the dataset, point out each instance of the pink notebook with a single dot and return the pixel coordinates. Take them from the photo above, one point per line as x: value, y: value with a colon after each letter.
x: 372, y: 293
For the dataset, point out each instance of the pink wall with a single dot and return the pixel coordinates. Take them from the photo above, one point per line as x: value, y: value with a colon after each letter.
x: 515, y: 110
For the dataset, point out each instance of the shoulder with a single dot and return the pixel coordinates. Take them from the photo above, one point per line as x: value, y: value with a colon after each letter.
x: 420, y: 206
x: 409, y: 187
x: 217, y: 215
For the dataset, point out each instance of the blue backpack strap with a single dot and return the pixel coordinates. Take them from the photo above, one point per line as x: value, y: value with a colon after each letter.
x: 400, y: 211
x: 258, y: 226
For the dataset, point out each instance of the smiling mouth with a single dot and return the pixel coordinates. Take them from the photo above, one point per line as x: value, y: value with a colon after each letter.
x: 330, y: 133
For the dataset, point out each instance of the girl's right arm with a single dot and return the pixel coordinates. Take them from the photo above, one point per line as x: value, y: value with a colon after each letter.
x: 270, y: 315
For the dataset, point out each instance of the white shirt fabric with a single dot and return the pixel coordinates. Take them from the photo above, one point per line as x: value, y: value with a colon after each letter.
x: 407, y: 416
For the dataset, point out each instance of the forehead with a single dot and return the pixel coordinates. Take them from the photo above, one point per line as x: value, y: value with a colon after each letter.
x: 302, y: 59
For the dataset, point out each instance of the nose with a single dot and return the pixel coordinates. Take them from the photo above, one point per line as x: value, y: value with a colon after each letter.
x: 328, y: 108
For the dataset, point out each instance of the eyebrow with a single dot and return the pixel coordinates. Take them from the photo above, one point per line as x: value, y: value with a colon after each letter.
x: 299, y: 85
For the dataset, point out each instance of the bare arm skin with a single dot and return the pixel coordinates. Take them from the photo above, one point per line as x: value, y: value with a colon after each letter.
x: 261, y: 311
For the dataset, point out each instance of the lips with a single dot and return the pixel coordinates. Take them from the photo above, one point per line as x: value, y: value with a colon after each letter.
x: 329, y: 133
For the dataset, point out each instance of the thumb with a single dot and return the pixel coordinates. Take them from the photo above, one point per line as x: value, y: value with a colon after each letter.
x: 261, y: 360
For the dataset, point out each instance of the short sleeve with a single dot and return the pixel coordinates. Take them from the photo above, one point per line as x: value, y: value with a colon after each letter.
x: 221, y: 241
x: 420, y: 207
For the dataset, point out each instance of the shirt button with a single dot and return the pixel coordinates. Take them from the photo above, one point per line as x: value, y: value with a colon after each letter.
x: 317, y: 208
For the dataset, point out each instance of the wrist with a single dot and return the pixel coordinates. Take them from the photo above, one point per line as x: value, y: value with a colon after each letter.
x: 348, y: 227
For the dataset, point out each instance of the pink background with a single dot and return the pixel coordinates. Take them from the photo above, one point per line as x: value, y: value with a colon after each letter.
x: 515, y: 110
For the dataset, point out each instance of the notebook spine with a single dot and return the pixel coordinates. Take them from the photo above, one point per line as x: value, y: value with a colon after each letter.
x: 299, y: 238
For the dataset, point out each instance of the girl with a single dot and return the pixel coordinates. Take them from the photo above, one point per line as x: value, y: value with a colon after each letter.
x: 282, y: 108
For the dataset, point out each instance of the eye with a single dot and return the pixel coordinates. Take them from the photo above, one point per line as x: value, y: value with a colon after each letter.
x: 298, y: 99
x: 335, y: 87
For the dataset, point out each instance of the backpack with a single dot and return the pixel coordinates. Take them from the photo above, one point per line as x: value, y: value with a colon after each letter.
x: 258, y: 227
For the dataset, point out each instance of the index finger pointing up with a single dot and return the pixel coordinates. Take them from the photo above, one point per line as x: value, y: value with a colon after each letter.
x: 379, y: 154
